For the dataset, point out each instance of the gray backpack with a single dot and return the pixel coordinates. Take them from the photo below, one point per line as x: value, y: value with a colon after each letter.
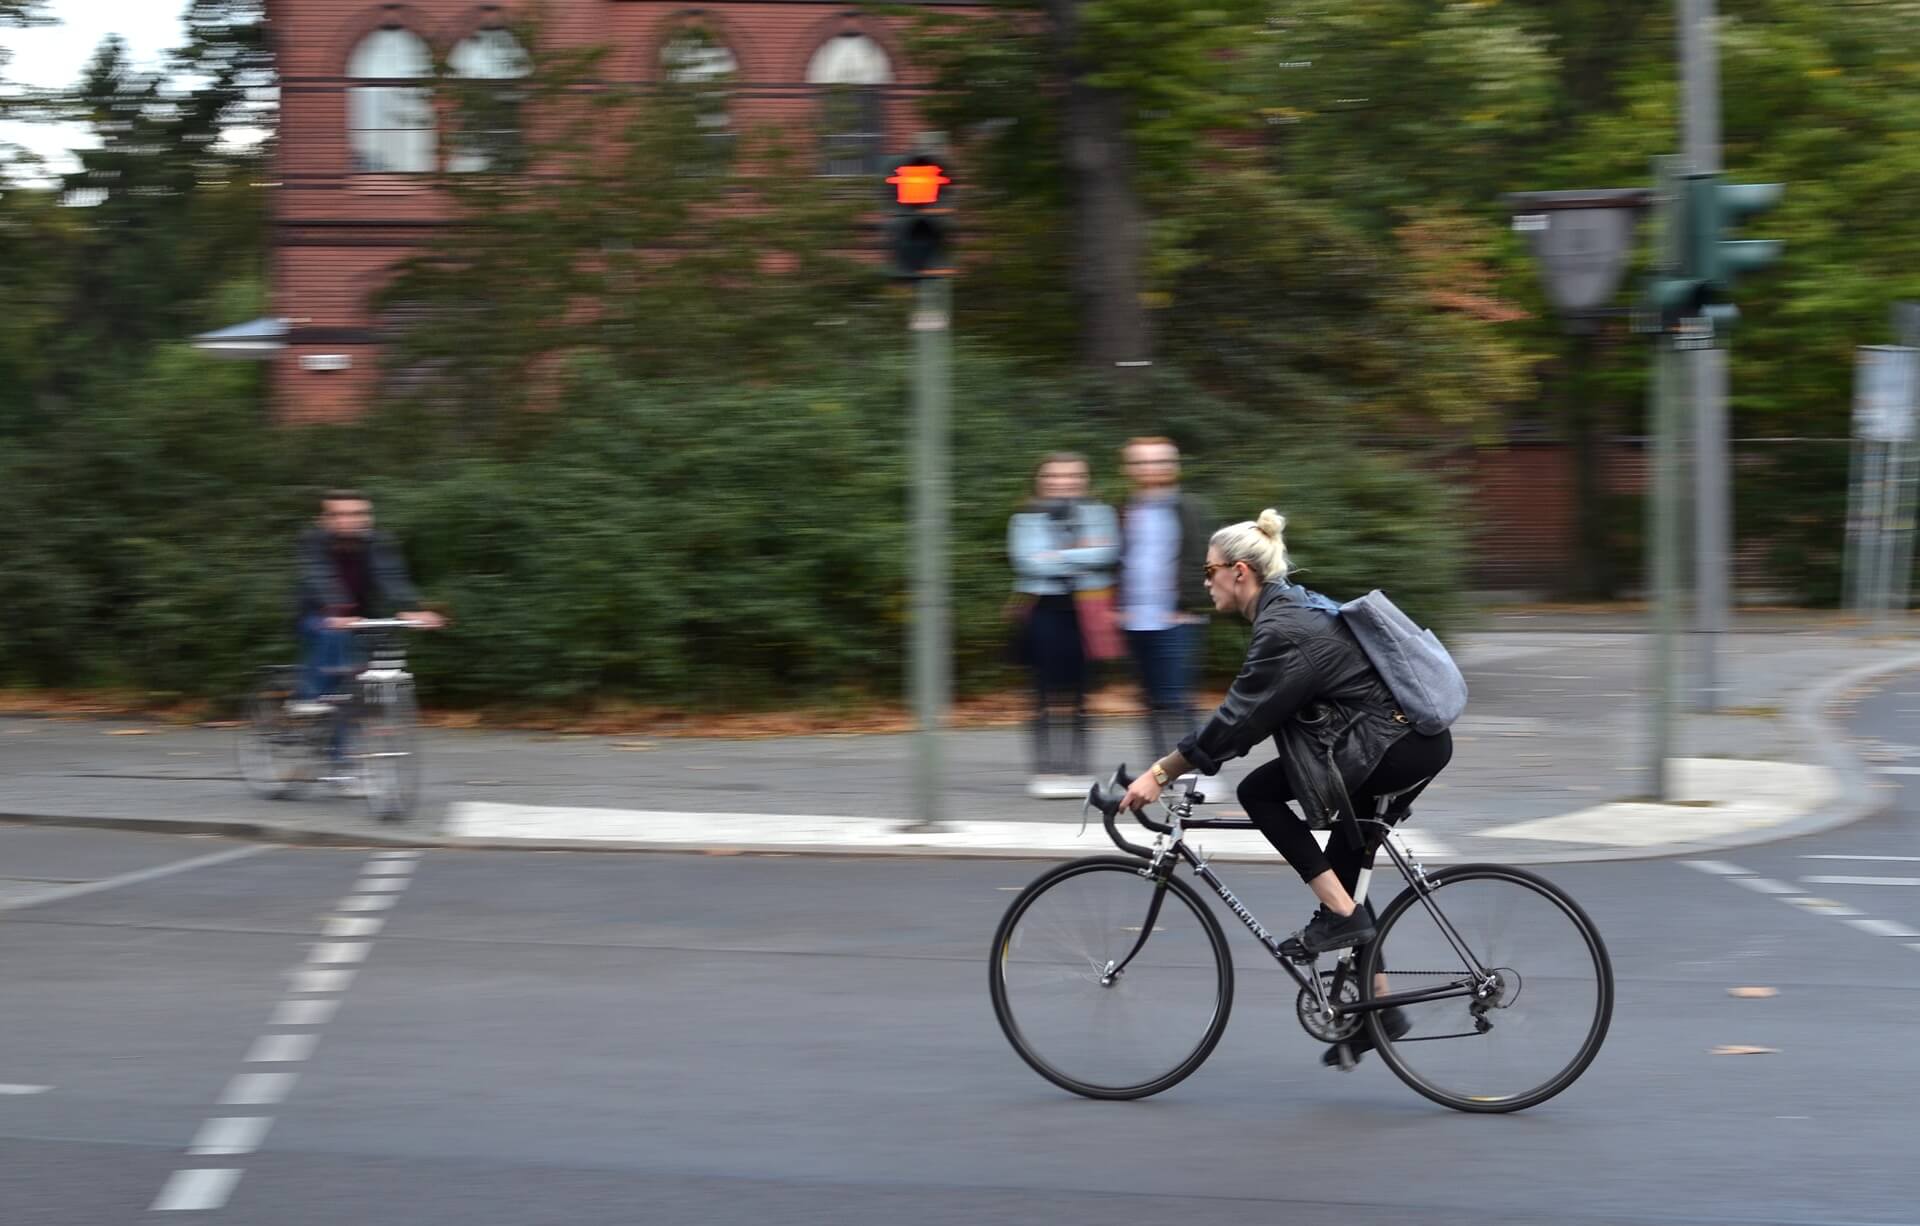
x: 1416, y: 667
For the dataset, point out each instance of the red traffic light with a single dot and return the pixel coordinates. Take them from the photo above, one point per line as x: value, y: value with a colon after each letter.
x: 918, y: 183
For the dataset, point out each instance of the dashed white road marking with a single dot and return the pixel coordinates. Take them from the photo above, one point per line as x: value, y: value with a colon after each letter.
x: 1861, y: 880
x: 224, y: 1135
x: 396, y: 853
x: 368, y: 902
x: 308, y: 980
x: 1880, y: 859
x: 258, y: 1089
x: 1897, y: 770
x: 282, y: 1048
x: 203, y: 1189
x: 1719, y: 868
x: 304, y: 1012
x: 196, y: 1190
x: 1824, y: 906
x: 351, y: 926
x: 339, y: 951
x: 16, y: 1088
x: 1764, y: 885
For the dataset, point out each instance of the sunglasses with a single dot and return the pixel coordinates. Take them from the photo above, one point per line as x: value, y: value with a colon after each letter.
x: 1213, y: 566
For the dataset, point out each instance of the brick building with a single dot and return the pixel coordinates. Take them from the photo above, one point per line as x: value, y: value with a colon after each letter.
x: 361, y: 138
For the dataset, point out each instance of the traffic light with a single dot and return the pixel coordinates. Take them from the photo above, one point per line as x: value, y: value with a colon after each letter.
x: 919, y: 233
x: 1705, y: 264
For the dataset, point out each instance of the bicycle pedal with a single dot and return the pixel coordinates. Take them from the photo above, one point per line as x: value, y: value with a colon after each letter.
x: 1292, y: 950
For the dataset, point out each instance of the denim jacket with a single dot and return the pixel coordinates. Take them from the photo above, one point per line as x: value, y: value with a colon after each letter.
x: 1079, y: 553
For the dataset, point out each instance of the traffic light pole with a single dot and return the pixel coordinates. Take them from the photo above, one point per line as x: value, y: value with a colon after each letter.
x: 1666, y: 533
x: 1706, y: 374
x: 927, y: 546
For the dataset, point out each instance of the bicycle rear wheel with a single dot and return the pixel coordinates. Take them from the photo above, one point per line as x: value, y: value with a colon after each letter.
x: 1538, y: 1026
x: 275, y: 751
x: 1081, y: 1025
x: 381, y: 746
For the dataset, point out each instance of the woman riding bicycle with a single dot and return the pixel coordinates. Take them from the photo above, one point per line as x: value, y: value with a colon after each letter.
x: 1306, y: 683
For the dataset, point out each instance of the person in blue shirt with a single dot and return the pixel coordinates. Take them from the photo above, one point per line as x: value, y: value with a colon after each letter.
x: 1061, y: 543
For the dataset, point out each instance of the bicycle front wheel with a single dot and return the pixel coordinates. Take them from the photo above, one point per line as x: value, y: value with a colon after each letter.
x: 275, y: 750
x: 1538, y: 1021
x: 1084, y: 1014
x: 382, y: 748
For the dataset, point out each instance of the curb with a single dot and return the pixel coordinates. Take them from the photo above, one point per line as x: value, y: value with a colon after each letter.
x: 1861, y: 796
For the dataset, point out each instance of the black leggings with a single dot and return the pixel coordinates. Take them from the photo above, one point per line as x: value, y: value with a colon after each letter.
x: 1264, y: 795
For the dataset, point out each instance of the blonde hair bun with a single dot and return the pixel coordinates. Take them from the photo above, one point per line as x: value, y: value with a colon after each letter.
x: 1271, y: 523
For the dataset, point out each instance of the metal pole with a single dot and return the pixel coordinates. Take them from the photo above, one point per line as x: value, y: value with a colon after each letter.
x: 932, y: 657
x: 1664, y: 540
x: 1707, y: 371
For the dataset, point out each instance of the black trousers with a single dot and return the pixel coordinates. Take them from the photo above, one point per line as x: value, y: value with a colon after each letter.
x: 1264, y: 795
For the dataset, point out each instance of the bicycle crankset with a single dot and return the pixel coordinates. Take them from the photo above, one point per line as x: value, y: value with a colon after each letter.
x: 1326, y: 1029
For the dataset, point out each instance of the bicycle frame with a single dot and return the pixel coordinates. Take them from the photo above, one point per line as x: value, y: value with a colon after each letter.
x: 1170, y: 849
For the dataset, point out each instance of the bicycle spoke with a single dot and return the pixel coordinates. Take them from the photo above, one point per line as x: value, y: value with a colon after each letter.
x: 1535, y: 1030
x: 1096, y: 1032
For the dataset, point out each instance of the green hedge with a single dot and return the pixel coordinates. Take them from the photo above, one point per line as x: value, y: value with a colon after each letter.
x: 700, y: 546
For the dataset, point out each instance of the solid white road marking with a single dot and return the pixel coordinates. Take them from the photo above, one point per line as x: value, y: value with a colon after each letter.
x: 1862, y: 880
x: 381, y: 885
x: 396, y: 853
x: 320, y: 981
x: 1898, y: 770
x: 12, y: 1088
x: 303, y: 1012
x: 388, y: 868
x: 258, y: 1089
x: 146, y: 874
x: 223, y: 1135
x: 339, y: 951
x: 1883, y: 859
x: 1884, y: 928
x: 197, y: 1190
x: 282, y: 1048
x: 1764, y: 885
x: 351, y: 926
x: 368, y: 902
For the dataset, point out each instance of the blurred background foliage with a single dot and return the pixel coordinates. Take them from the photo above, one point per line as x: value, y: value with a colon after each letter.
x: 683, y: 480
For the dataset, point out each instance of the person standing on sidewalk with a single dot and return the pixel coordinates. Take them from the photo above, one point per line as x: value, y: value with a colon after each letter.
x: 1164, y: 603
x: 1063, y: 545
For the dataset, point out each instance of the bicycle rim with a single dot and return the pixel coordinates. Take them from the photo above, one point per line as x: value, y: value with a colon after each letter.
x: 383, y: 748
x: 1542, y: 1027
x: 274, y: 750
x: 1149, y: 1026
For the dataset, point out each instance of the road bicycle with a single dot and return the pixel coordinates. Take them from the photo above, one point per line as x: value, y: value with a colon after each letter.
x: 362, y: 736
x: 1112, y: 978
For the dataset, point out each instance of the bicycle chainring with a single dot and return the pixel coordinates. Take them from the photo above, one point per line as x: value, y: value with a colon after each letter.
x: 1306, y: 1007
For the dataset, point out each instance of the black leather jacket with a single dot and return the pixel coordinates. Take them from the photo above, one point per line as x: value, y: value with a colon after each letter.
x: 319, y: 589
x: 1307, y: 684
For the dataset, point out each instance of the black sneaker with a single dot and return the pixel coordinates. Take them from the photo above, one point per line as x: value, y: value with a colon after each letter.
x: 1327, y: 931
x: 1347, y: 1054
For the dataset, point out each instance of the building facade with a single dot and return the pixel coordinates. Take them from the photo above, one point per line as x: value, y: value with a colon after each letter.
x: 363, y: 139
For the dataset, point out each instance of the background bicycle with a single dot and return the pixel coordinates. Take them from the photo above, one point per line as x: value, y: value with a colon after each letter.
x: 1111, y: 976
x: 360, y: 737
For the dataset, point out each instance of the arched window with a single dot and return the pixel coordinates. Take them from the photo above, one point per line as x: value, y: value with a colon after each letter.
x: 851, y: 69
x: 699, y: 72
x: 487, y: 133
x: 390, y: 119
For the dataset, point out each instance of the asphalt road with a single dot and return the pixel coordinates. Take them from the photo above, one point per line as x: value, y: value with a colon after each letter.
x: 585, y: 1039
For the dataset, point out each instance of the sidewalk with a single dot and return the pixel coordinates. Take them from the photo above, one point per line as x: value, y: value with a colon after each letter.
x: 1549, y: 760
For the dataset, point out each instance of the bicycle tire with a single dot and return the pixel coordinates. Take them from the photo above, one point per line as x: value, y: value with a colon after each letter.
x: 1169, y: 976
x: 1400, y: 1055
x: 382, y: 743
x: 273, y: 752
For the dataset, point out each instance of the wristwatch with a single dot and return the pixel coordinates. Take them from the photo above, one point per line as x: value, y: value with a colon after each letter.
x: 1160, y: 775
